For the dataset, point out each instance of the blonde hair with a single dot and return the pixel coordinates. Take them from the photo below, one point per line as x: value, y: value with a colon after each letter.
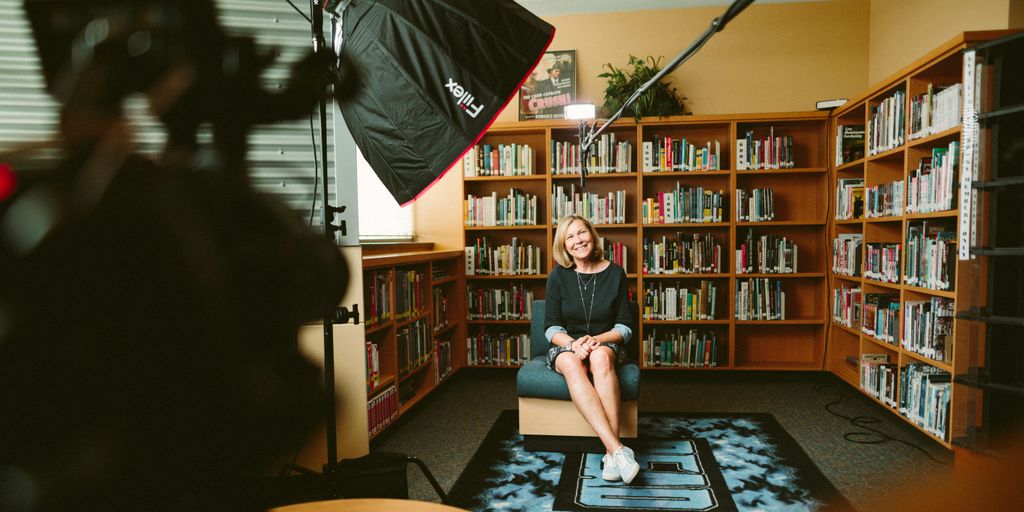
x: 558, y: 251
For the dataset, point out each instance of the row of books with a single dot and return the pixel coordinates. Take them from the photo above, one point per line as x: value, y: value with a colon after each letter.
x: 442, y: 360
x: 928, y: 327
x: 766, y: 254
x: 881, y: 316
x: 931, y: 256
x: 408, y: 294
x: 849, y: 198
x: 924, y: 397
x: 684, y: 253
x: 886, y: 123
x: 684, y: 204
x: 666, y: 302
x: 691, y: 348
x: 513, y: 302
x: 884, y: 200
x: 440, y: 309
x: 846, y: 305
x: 598, y: 208
x: 413, y: 344
x: 381, y: 410
x: 483, y: 258
x: 758, y: 205
x: 607, y: 156
x: 931, y: 186
x: 377, y: 297
x: 439, y: 270
x: 760, y: 299
x: 935, y: 110
x: 768, y: 151
x: 505, y: 349
x: 500, y: 160
x: 666, y: 154
x: 849, y: 144
x: 882, y: 262
x: 616, y: 252
x: 518, y: 208
x: 878, y: 378
x: 846, y: 254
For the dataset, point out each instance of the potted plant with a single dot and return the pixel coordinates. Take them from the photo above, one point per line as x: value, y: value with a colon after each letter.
x: 661, y: 99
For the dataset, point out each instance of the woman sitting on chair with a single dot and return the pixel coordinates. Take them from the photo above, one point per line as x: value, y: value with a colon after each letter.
x: 587, y: 321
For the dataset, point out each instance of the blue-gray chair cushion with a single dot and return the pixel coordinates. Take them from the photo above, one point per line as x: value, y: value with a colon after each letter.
x: 535, y: 380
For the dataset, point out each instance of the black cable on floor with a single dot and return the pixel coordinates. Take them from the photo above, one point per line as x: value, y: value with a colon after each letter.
x: 874, y: 436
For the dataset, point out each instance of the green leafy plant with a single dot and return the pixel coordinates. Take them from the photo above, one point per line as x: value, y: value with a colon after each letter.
x: 661, y: 99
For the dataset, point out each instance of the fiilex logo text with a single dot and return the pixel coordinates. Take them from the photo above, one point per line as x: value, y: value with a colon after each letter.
x: 464, y: 99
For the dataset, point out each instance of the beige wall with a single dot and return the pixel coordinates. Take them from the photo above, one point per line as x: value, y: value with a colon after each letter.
x: 772, y: 58
x: 904, y: 30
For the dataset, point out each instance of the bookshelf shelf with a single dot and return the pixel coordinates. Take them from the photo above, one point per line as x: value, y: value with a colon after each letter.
x: 928, y: 291
x: 849, y: 222
x: 883, y: 404
x: 942, y: 365
x: 945, y: 214
x: 879, y: 343
x: 499, y: 322
x: 886, y: 155
x: 788, y: 321
x: 682, y: 174
x: 411, y: 372
x: 882, y: 284
x: 794, y: 275
x: 445, y: 329
x: 856, y: 279
x: 687, y: 225
x: 935, y: 138
x: 685, y: 368
x: 850, y: 330
x: 507, y: 276
x: 418, y: 316
x: 686, y: 276
x: 856, y: 165
x: 379, y: 327
x: 385, y: 381
x: 444, y: 280
x: 602, y: 227
x: 883, y: 220
x: 495, y: 366
x: 781, y: 223
x: 782, y: 366
x: 678, y: 322
x: 595, y: 176
x: 758, y: 172
x: 527, y: 177
x: 505, y: 228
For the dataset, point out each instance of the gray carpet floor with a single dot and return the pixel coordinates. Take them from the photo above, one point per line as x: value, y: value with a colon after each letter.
x: 446, y: 428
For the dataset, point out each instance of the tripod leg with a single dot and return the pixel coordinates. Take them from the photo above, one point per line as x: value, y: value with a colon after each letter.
x: 430, y: 478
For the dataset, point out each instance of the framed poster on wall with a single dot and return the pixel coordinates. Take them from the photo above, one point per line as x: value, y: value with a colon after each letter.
x: 550, y: 87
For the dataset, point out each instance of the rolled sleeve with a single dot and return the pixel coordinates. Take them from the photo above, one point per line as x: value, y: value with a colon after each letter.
x: 553, y: 330
x: 623, y: 330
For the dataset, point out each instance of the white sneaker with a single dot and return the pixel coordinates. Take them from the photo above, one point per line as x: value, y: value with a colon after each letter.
x: 609, y: 471
x: 626, y: 464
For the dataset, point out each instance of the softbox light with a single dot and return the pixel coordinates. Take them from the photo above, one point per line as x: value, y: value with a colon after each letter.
x: 426, y: 78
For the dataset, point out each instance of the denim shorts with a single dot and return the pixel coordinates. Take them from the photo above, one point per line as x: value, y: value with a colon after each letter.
x: 618, y: 350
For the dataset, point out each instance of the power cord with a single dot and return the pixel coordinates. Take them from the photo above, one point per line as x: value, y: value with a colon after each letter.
x: 299, y: 11
x: 875, y: 436
x: 316, y: 168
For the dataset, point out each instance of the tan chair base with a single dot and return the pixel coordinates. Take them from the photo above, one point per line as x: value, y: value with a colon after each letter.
x: 545, y: 417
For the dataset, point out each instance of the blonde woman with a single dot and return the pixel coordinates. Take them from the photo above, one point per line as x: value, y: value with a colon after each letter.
x: 587, y: 321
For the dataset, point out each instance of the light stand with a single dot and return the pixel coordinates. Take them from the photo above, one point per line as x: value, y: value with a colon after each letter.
x: 587, y: 133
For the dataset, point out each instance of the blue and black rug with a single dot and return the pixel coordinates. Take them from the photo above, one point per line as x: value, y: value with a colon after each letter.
x: 691, y: 461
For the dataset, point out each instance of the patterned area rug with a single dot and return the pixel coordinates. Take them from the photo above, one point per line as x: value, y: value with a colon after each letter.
x: 688, y: 461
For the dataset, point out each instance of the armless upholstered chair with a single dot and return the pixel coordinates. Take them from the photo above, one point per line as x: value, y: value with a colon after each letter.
x: 548, y: 420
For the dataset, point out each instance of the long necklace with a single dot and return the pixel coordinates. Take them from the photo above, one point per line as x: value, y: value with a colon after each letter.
x: 587, y: 312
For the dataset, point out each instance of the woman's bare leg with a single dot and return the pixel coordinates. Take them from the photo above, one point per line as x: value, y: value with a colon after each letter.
x: 586, y: 399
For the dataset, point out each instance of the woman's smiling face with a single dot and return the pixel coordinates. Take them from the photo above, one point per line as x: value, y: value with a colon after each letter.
x: 578, y: 241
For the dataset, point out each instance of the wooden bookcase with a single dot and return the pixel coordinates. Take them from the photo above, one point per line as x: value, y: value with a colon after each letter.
x: 800, y: 198
x: 409, y: 370
x: 847, y: 345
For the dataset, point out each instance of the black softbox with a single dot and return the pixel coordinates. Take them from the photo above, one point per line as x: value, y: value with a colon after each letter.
x: 425, y: 79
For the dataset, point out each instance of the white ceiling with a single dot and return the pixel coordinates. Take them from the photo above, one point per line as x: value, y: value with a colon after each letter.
x: 559, y: 7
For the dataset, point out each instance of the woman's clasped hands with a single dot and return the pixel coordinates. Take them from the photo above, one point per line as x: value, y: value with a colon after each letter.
x: 583, y: 345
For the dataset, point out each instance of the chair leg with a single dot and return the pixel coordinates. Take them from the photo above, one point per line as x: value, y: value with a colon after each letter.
x: 430, y: 478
